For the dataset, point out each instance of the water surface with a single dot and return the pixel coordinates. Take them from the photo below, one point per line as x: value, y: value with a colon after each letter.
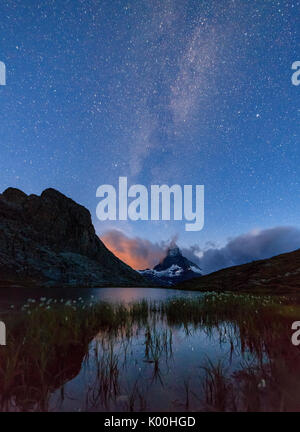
x: 15, y: 295
x: 159, y: 362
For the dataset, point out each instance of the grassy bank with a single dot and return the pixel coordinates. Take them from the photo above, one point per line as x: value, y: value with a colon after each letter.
x: 277, y: 275
x: 49, y: 340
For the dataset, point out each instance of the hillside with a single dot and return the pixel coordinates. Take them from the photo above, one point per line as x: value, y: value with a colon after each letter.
x: 50, y: 240
x: 277, y: 275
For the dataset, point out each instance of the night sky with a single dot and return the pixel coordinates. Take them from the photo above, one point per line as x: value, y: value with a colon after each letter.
x: 186, y: 92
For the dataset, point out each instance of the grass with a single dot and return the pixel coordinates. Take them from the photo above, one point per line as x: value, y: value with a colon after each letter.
x: 243, y: 309
x: 216, y: 386
x: 158, y: 343
x: 50, y: 340
x: 44, y: 339
x: 279, y: 274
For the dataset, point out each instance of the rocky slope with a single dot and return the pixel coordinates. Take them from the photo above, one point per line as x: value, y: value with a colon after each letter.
x: 280, y: 274
x: 50, y: 240
x: 174, y: 268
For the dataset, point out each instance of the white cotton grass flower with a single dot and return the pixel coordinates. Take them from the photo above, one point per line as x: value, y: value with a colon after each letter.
x: 30, y: 300
x: 42, y: 299
x: 262, y: 384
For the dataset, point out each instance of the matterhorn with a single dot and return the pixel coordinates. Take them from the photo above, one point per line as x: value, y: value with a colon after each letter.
x: 174, y: 268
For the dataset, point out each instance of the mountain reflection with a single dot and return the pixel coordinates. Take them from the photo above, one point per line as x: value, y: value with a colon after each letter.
x: 182, y: 354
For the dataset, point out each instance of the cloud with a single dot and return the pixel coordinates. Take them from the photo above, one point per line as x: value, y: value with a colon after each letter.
x: 137, y: 252
x: 257, y: 244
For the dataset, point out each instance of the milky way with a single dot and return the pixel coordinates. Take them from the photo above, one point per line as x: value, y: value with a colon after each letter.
x: 187, y: 92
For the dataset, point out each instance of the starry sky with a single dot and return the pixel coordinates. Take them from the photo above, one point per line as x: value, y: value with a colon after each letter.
x: 159, y: 91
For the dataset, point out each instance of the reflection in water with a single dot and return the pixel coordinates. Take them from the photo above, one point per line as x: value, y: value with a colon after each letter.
x: 183, y: 354
x: 16, y: 295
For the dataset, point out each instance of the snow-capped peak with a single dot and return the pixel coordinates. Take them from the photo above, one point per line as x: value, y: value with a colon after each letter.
x: 173, y: 268
x: 174, y: 251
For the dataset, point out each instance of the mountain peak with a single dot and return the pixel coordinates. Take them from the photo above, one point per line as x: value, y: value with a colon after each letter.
x: 50, y: 240
x: 174, y: 251
x: 172, y: 269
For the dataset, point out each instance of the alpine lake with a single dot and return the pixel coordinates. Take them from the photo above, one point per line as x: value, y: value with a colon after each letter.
x: 147, y: 349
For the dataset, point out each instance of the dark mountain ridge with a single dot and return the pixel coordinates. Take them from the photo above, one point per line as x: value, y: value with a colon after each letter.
x: 279, y: 274
x: 50, y: 240
x: 174, y: 268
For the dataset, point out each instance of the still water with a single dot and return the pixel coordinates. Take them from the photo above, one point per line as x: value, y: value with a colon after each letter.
x: 15, y: 295
x: 161, y: 363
